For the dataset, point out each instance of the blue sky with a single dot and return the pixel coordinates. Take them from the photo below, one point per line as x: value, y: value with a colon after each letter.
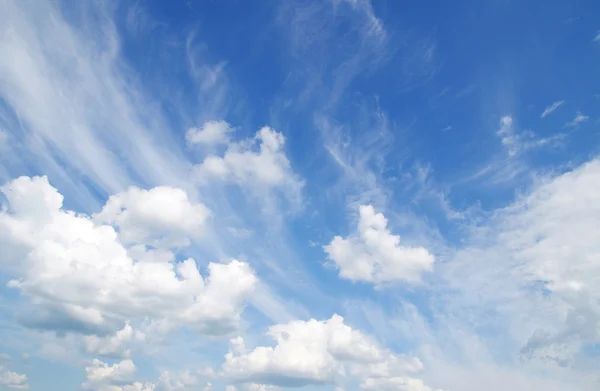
x: 319, y: 195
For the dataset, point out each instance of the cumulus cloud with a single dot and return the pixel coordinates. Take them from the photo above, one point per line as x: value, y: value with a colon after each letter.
x: 212, y: 132
x: 115, y: 345
x: 80, y: 277
x: 101, y: 376
x: 375, y: 255
x: 315, y: 352
x: 265, y: 168
x: 153, y: 216
x: 550, y: 109
x: 13, y: 380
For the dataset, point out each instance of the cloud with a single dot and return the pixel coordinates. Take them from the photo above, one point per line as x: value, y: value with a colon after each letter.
x: 267, y: 168
x: 375, y: 255
x: 13, y: 380
x: 117, y: 377
x: 212, y: 132
x: 92, y: 120
x: 315, y: 352
x: 518, y: 142
x: 154, y: 216
x: 395, y: 384
x: 506, y: 132
x: 174, y: 381
x: 528, y: 275
x: 579, y: 119
x: 5, y: 357
x: 100, y: 372
x: 80, y: 277
x: 550, y: 109
x: 597, y: 37
x: 115, y: 345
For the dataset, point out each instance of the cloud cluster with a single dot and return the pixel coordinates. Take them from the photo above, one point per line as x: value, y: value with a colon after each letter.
x: 259, y: 163
x: 318, y: 352
x: 375, y: 255
x: 13, y: 380
x: 80, y: 276
x: 212, y: 132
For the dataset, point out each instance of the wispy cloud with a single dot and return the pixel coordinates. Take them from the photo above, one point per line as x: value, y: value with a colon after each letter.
x: 548, y: 110
x: 579, y: 119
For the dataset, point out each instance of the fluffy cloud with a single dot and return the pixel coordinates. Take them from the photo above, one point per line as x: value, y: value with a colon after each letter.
x: 267, y: 167
x: 212, y: 132
x: 375, y: 255
x: 314, y: 352
x: 174, y: 381
x: 115, y: 345
x: 153, y: 216
x: 80, y: 277
x: 117, y: 377
x: 13, y: 380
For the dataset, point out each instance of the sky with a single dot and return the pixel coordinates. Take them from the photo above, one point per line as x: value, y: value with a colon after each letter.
x: 328, y: 195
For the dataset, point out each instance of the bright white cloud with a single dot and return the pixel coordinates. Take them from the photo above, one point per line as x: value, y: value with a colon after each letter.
x: 265, y: 168
x: 550, y: 109
x: 375, y: 255
x: 155, y: 215
x: 81, y: 277
x: 212, y: 132
x: 315, y: 352
x: 13, y: 380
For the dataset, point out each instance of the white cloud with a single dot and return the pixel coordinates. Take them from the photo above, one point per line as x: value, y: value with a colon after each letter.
x: 93, y: 120
x: 80, y: 277
x: 548, y: 110
x: 375, y: 255
x: 100, y: 372
x: 579, y: 119
x: 153, y: 216
x: 597, y: 37
x: 212, y: 132
x: 507, y: 134
x: 5, y: 357
x: 116, y: 377
x: 315, y: 352
x: 265, y: 168
x: 115, y: 345
x: 174, y: 381
x: 13, y: 380
x: 530, y: 277
x: 519, y: 142
x: 395, y: 384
